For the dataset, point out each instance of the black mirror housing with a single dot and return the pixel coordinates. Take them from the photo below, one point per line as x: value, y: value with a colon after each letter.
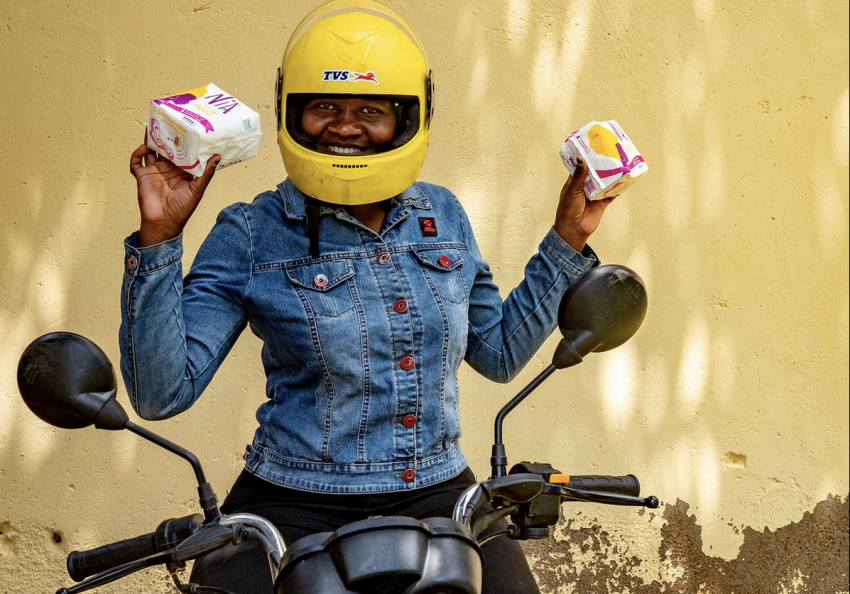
x: 602, y: 309
x: 68, y: 382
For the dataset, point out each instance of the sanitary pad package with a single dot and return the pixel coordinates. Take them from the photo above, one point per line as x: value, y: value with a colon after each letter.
x: 190, y: 127
x: 613, y: 161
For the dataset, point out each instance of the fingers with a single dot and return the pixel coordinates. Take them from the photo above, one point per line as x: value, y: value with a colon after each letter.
x: 142, y: 157
x: 200, y: 183
x: 576, y: 182
x: 137, y: 159
x: 573, y: 189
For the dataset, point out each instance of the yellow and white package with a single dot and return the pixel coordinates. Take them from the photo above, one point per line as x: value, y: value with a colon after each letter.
x: 612, y: 159
x: 190, y: 127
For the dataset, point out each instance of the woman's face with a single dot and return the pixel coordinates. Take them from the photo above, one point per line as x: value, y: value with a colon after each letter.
x: 349, y: 126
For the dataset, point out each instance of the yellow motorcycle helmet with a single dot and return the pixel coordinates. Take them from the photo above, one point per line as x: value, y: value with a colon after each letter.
x: 356, y: 48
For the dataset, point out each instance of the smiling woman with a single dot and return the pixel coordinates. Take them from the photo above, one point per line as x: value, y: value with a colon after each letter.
x: 344, y: 52
x: 366, y: 287
x: 350, y: 126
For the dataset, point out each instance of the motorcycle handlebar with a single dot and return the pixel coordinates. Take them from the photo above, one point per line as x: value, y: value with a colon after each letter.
x: 623, y: 485
x: 82, y: 564
x: 535, y: 491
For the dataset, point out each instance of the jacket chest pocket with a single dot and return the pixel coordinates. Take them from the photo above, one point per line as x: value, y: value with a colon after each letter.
x: 443, y: 272
x: 324, y: 287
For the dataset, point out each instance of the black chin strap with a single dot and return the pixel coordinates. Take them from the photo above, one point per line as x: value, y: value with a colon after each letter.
x: 314, y: 216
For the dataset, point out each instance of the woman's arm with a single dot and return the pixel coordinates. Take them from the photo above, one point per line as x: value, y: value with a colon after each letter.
x: 504, y: 335
x: 174, y: 334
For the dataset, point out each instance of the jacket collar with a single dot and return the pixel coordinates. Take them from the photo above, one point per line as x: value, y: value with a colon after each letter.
x: 294, y: 200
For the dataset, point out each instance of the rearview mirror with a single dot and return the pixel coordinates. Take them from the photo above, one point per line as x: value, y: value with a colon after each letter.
x: 602, y: 309
x: 68, y: 382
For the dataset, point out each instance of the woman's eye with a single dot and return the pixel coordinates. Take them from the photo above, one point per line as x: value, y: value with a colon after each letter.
x: 320, y: 106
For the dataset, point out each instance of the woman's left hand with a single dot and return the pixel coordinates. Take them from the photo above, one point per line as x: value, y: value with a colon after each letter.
x: 578, y: 216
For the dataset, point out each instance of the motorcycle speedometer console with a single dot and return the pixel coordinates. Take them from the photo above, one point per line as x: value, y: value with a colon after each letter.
x: 384, y: 554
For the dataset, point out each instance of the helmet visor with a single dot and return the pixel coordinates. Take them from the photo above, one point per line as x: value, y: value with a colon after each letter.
x: 368, y: 123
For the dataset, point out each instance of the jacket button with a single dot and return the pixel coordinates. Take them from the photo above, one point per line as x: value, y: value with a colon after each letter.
x: 400, y: 306
x: 409, y: 421
x: 131, y: 262
x: 383, y: 258
x: 407, y: 363
x: 444, y: 261
x: 320, y: 281
x: 408, y: 475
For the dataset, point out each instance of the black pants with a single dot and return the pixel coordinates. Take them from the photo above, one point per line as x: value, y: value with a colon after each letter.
x: 244, y: 569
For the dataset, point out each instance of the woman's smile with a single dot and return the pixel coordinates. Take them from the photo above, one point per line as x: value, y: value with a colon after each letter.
x: 341, y: 150
x: 350, y: 126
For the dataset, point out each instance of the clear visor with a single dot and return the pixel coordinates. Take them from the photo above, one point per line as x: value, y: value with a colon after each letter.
x: 379, y: 123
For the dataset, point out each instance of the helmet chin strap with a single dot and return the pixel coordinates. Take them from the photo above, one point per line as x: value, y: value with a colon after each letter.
x: 313, y: 212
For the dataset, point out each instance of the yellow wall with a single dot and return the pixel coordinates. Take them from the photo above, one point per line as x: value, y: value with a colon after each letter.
x: 730, y: 404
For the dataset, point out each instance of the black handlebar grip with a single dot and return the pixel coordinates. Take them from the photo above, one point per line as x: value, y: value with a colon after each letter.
x: 82, y: 564
x: 624, y: 485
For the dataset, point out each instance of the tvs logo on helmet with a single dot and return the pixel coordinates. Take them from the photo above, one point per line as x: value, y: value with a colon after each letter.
x: 349, y: 76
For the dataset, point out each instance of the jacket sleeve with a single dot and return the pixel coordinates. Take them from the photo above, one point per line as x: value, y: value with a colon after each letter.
x: 504, y: 335
x: 175, y: 333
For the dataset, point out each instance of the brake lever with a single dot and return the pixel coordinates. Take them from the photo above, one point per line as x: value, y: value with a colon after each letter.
x: 205, y: 540
x: 572, y: 494
x: 533, y: 519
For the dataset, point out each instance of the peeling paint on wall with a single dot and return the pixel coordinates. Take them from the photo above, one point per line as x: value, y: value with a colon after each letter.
x: 810, y: 555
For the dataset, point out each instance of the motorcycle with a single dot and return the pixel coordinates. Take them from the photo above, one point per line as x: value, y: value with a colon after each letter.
x: 68, y: 382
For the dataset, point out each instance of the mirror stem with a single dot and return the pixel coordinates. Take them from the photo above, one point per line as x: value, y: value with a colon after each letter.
x: 209, y: 501
x: 499, y: 461
x: 567, y: 354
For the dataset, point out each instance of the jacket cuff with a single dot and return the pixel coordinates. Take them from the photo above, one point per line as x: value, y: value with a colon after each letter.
x: 141, y: 260
x: 566, y: 257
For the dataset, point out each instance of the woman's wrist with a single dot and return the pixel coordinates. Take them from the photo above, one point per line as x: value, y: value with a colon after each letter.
x: 149, y: 235
x: 572, y: 237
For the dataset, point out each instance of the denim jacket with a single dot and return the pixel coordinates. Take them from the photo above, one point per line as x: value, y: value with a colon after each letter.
x: 361, y: 345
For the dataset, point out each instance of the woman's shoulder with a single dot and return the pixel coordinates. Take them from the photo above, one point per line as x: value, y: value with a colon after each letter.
x: 269, y: 200
x: 435, y: 195
x: 267, y: 203
x: 433, y: 190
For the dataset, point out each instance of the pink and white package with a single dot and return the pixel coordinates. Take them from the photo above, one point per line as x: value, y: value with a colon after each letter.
x: 613, y: 161
x: 190, y: 127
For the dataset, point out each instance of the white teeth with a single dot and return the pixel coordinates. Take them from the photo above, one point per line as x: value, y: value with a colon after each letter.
x: 342, y: 150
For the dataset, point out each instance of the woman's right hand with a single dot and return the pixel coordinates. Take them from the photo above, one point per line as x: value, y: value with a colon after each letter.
x: 167, y: 195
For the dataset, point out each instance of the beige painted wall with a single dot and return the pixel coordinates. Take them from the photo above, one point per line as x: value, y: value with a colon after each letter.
x: 730, y: 404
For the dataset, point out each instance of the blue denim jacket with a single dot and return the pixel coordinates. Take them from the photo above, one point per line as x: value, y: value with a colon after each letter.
x: 361, y: 345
